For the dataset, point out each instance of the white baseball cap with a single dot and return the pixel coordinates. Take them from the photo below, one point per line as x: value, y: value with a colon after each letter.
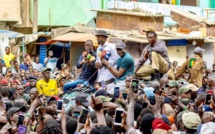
x: 208, y: 128
x: 198, y: 50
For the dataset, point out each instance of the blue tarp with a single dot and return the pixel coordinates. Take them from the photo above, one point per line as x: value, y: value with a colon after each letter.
x: 180, y: 42
x: 10, y: 34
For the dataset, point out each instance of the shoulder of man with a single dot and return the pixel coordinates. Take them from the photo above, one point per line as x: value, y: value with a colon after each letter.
x: 53, y: 80
x: 110, y: 44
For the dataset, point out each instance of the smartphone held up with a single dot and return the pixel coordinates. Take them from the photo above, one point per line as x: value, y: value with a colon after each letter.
x: 135, y: 85
x: 118, y: 116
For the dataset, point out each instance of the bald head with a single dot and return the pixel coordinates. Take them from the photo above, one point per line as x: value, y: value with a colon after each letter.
x: 155, y: 85
x: 163, y: 82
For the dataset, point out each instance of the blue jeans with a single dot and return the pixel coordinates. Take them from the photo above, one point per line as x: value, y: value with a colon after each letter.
x: 72, y: 84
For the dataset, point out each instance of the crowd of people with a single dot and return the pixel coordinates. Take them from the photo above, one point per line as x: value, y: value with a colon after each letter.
x: 158, y: 98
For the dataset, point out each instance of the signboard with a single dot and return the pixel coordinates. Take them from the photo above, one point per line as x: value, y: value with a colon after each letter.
x: 153, y: 8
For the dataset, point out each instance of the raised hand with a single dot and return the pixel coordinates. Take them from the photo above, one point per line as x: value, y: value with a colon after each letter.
x: 96, y: 103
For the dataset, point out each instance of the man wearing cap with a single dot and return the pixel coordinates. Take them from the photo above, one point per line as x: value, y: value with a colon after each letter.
x: 50, y: 61
x: 5, y: 83
x: 185, y: 93
x: 12, y: 115
x: 191, y: 122
x: 157, y: 54
x: 195, y: 67
x: 107, y: 50
x: 81, y: 100
x: 87, y: 66
x: 125, y: 66
x: 47, y: 86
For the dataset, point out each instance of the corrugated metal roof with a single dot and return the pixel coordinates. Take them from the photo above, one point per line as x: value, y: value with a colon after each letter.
x: 187, y: 14
x: 145, y: 14
x: 10, y: 34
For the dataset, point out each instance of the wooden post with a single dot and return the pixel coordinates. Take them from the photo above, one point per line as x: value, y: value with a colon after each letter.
x: 64, y: 58
x: 35, y: 20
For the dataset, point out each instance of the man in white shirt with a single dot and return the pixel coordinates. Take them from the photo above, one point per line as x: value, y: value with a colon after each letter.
x: 108, y: 51
x: 37, y: 65
x: 50, y: 61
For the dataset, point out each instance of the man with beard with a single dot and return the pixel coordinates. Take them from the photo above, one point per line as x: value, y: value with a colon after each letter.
x: 125, y: 66
x: 108, y: 51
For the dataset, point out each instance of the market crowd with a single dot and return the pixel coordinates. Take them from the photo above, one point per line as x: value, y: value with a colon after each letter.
x: 107, y: 92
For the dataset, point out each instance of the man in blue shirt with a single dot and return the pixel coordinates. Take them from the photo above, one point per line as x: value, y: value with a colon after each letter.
x: 125, y: 66
x: 25, y: 65
x: 87, y: 63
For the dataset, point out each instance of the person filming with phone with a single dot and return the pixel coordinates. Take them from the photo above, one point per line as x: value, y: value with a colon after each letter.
x: 125, y: 66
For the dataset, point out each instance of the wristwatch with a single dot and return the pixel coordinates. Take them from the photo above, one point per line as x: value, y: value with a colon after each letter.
x: 109, y: 66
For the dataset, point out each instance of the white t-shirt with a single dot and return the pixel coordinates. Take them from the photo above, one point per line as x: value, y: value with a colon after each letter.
x: 52, y: 63
x: 37, y: 66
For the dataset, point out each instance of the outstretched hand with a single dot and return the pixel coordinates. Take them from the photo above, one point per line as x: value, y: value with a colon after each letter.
x: 159, y: 100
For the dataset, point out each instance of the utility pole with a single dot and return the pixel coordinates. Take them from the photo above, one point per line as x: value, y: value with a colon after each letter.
x: 35, y: 20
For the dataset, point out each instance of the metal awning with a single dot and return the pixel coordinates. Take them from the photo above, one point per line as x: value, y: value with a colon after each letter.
x: 71, y: 37
x: 10, y: 34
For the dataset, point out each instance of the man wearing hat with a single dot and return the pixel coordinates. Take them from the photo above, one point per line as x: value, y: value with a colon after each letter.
x: 81, y: 100
x: 12, y: 115
x: 195, y: 67
x: 185, y: 93
x: 47, y: 86
x: 108, y: 51
x: 157, y: 54
x: 87, y: 66
x: 191, y: 122
x: 125, y: 66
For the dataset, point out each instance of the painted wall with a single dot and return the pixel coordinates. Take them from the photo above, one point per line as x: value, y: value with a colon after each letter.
x: 63, y: 13
x: 10, y: 10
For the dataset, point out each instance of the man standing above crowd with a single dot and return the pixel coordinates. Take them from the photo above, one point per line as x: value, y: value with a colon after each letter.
x: 195, y: 67
x: 86, y: 62
x: 111, y: 56
x: 47, y: 86
x: 125, y: 66
x: 157, y: 53
x: 8, y: 56
x: 50, y: 61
